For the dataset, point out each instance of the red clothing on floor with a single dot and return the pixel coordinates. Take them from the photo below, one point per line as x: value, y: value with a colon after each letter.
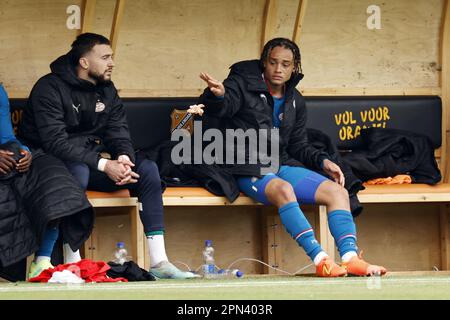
x: 90, y: 271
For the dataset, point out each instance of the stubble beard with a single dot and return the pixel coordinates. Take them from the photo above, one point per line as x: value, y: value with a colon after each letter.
x: 100, y: 78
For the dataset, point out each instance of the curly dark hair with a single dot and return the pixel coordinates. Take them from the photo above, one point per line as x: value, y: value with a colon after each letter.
x: 285, y: 43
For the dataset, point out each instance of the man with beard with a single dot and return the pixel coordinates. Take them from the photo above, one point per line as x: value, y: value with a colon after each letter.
x: 76, y: 114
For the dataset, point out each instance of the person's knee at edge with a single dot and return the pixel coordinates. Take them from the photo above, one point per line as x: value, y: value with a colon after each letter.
x: 334, y: 196
x: 279, y: 192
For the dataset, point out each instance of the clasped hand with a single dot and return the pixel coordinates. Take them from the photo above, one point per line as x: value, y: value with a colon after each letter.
x: 120, y: 171
x: 8, y: 163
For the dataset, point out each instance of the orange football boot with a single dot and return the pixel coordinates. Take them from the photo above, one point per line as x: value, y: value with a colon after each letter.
x: 329, y: 268
x: 356, y: 266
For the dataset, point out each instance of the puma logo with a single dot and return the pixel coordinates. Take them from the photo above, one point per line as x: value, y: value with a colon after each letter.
x: 76, y: 108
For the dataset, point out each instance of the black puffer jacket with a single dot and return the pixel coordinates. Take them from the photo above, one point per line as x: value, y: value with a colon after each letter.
x: 248, y: 104
x: 388, y: 152
x: 29, y: 201
x: 65, y: 117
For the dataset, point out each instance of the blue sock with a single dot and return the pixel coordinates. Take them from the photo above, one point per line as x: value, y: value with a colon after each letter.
x: 299, y: 228
x: 343, y: 230
x: 48, y: 242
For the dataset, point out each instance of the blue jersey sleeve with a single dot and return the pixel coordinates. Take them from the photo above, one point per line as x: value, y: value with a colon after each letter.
x: 6, y: 130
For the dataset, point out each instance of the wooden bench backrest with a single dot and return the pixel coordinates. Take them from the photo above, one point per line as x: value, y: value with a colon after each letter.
x: 341, y: 118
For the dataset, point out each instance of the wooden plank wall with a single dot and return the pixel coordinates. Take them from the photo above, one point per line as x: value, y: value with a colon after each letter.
x: 403, y: 53
x: 235, y: 232
x: 163, y: 45
x: 28, y: 42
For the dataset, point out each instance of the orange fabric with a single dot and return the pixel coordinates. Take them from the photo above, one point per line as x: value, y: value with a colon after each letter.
x: 401, y: 179
x: 328, y: 268
x: 398, y: 179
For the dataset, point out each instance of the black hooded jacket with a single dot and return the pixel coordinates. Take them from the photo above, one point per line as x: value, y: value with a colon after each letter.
x: 248, y: 104
x: 29, y: 201
x: 74, y: 119
x: 388, y: 152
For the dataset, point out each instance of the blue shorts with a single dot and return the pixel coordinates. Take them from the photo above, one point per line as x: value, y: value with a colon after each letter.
x: 304, y: 182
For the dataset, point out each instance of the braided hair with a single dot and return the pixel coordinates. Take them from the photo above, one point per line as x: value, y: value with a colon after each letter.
x: 285, y: 43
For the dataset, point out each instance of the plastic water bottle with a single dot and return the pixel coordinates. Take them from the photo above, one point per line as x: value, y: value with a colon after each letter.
x: 230, y: 273
x: 209, y: 266
x: 120, y: 254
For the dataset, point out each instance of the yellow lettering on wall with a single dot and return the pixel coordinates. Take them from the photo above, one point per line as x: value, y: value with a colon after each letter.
x: 345, y: 118
x: 342, y: 134
x: 348, y: 118
x: 386, y: 114
x: 357, y: 131
x: 379, y: 114
x: 350, y: 128
x: 349, y: 133
x: 372, y: 115
x: 338, y: 118
x: 16, y: 116
x: 363, y: 115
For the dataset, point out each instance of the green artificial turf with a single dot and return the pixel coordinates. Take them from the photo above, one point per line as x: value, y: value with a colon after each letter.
x: 247, y: 288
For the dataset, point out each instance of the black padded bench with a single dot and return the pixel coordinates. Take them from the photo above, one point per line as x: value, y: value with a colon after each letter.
x: 341, y: 118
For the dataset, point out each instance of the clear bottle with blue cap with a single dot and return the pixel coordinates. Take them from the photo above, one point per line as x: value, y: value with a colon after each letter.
x: 120, y: 254
x: 209, y: 265
x: 230, y: 273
